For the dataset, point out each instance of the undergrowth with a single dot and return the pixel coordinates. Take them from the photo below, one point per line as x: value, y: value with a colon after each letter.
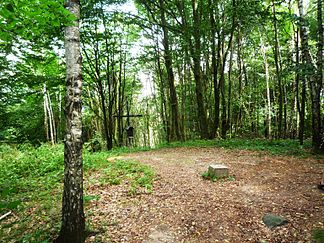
x: 318, y: 235
x: 209, y: 176
x: 31, y: 187
x: 31, y: 180
x: 274, y: 147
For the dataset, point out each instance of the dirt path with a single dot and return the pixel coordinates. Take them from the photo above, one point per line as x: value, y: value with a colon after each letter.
x: 185, y: 208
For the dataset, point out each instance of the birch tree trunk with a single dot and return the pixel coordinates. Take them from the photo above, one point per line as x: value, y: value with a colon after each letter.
x: 45, y: 113
x: 51, y: 119
x: 73, y: 221
x: 268, y: 106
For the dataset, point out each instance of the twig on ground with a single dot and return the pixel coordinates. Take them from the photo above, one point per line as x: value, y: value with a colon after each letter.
x: 5, y: 215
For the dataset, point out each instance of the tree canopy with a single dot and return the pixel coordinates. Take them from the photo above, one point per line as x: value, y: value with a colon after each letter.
x: 210, y: 68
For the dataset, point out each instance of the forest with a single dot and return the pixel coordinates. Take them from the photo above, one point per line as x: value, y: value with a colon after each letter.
x: 117, y: 76
x: 192, y: 69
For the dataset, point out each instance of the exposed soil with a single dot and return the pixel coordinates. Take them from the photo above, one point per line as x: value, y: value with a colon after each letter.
x: 186, y: 208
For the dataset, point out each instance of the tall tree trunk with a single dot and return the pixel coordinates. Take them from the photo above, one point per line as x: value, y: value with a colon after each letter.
x: 214, y: 69
x: 285, y: 116
x: 175, y: 126
x: 51, y: 119
x: 229, y: 98
x: 121, y: 96
x: 59, y: 132
x: 316, y: 86
x: 196, y: 52
x: 297, y: 80
x: 306, y: 60
x: 268, y: 103
x: 45, y: 113
x: 215, y: 63
x: 278, y: 69
x: 73, y: 221
x: 240, y: 63
x: 222, y: 74
x: 163, y: 105
x: 110, y: 83
x: 102, y: 95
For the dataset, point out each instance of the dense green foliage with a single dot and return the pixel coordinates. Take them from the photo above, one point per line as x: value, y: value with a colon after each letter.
x: 208, y: 69
x: 31, y: 185
x: 184, y: 70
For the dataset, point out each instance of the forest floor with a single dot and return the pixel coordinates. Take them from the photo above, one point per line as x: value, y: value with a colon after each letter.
x: 184, y: 207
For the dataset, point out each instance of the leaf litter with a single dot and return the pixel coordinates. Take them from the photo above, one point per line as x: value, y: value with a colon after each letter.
x: 184, y: 207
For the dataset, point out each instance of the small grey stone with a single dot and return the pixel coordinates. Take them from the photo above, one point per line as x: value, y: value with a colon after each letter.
x: 273, y: 221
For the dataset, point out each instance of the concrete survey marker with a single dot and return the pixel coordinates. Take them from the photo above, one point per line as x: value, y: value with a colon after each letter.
x: 218, y: 170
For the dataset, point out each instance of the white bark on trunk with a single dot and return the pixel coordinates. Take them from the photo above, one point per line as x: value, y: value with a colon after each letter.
x: 45, y: 113
x: 73, y: 221
x: 52, y: 120
x: 268, y: 106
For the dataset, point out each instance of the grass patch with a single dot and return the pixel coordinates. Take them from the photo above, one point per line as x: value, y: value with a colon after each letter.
x: 318, y: 235
x: 275, y: 147
x: 133, y: 173
x: 31, y: 187
x: 208, y: 176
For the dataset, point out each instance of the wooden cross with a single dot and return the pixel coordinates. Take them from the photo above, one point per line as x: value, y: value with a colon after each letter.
x: 129, y: 129
x: 128, y: 115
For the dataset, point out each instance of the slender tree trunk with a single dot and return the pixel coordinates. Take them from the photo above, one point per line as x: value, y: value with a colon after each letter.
x: 268, y: 103
x: 112, y: 99
x: 215, y: 64
x: 229, y: 98
x: 121, y: 95
x: 240, y: 78
x: 278, y: 70
x: 163, y: 111
x: 196, y: 52
x: 222, y: 90
x: 73, y: 221
x: 103, y: 103
x: 45, y: 113
x: 175, y: 127
x: 49, y: 116
x: 110, y: 83
x: 215, y: 85
x: 316, y: 86
x: 297, y: 81
x: 148, y: 124
x: 59, y: 127
x: 300, y: 102
x: 52, y: 120
x: 306, y: 60
x: 285, y: 116
x: 222, y: 74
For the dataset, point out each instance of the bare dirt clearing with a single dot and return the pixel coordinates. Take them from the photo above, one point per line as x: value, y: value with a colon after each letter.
x: 186, y: 208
